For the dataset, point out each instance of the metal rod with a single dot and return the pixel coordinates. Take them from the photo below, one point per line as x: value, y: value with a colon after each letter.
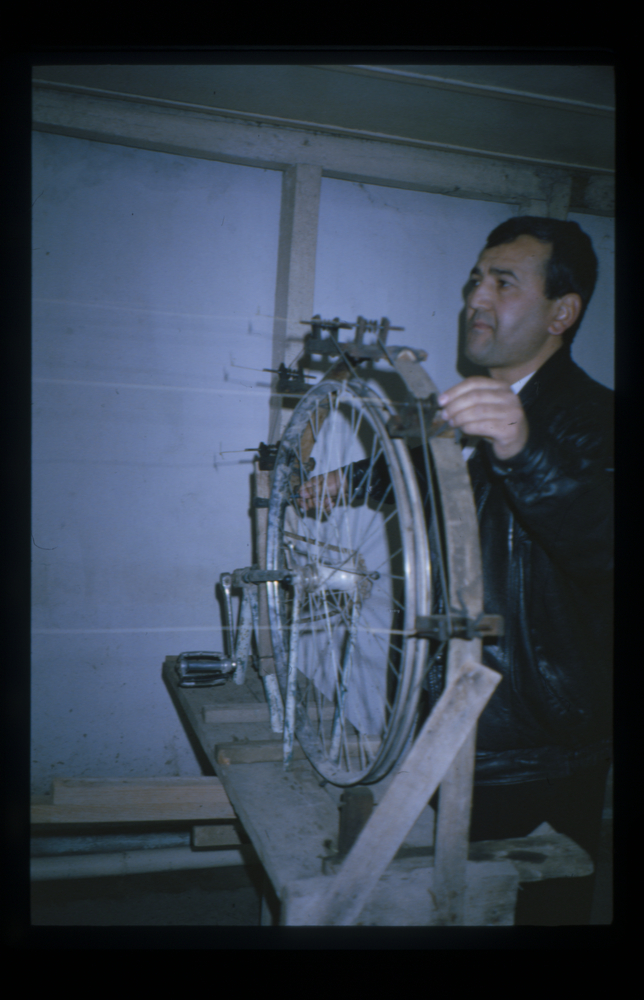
x: 225, y: 582
x: 137, y: 862
x: 291, y: 683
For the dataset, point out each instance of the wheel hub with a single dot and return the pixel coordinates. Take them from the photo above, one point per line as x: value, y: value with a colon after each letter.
x: 317, y: 576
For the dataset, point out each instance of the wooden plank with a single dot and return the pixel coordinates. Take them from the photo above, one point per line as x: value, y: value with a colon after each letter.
x: 138, y: 862
x: 222, y: 835
x: 415, y: 782
x: 255, y: 752
x: 287, y: 815
x: 465, y: 590
x: 295, y: 279
x: 130, y: 800
x: 461, y: 526
x: 249, y: 713
x: 359, y: 157
x: 154, y: 812
x: 452, y: 834
x: 419, y: 383
x: 138, y: 791
x: 262, y: 751
x: 212, y: 715
x: 454, y: 809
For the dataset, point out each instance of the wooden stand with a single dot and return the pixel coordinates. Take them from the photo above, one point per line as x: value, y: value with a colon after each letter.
x: 391, y: 876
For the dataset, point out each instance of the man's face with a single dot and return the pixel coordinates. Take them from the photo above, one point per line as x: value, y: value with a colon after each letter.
x: 508, y: 314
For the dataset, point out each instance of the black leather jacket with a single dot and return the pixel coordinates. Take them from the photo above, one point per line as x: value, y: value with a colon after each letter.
x: 546, y: 530
x: 545, y: 519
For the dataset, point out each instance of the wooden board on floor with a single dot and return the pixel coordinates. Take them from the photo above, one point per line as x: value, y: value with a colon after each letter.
x: 132, y: 800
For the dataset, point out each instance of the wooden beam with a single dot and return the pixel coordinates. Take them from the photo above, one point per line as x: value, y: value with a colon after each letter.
x: 254, y: 752
x: 465, y: 577
x: 221, y: 835
x: 137, y: 862
x: 127, y: 800
x: 262, y: 751
x: 367, y: 160
x: 252, y: 713
x: 295, y: 283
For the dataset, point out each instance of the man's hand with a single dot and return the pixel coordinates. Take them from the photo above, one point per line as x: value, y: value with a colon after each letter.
x: 321, y: 491
x: 487, y: 408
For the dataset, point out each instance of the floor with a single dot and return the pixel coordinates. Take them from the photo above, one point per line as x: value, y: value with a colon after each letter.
x: 215, y: 897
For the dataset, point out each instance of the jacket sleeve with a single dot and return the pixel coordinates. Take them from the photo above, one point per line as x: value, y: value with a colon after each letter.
x: 560, y: 486
x: 369, y: 480
x: 372, y: 480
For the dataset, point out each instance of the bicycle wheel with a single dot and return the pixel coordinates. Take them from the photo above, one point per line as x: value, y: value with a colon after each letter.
x: 359, y: 577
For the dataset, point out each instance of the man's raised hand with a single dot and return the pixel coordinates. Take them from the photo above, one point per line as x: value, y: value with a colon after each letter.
x: 487, y: 408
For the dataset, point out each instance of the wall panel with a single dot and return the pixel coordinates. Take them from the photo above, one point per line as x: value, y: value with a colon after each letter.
x: 153, y: 283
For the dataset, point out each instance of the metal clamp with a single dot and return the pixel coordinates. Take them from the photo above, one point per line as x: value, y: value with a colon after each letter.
x: 315, y: 343
x: 267, y: 456
x: 407, y: 423
x: 459, y: 626
x: 291, y: 381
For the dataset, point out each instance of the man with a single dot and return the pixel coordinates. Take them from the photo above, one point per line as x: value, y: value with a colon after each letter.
x: 542, y: 481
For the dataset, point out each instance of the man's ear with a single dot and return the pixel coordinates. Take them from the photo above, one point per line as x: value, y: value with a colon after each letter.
x: 566, y: 312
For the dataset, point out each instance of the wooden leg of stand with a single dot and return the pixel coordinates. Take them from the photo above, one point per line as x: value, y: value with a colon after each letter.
x: 454, y: 808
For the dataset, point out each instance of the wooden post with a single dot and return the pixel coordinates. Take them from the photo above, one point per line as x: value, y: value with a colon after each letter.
x: 465, y: 590
x: 295, y: 272
x: 465, y: 580
x: 453, y: 820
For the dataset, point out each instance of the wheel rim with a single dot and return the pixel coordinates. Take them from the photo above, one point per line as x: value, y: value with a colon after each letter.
x: 363, y: 576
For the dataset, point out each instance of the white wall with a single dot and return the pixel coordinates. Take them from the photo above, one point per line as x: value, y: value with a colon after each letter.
x: 594, y: 345
x: 151, y: 272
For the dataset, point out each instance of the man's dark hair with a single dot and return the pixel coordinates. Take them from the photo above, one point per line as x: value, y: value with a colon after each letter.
x: 572, y: 265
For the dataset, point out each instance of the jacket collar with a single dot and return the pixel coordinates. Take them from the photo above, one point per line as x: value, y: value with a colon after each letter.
x: 557, y: 367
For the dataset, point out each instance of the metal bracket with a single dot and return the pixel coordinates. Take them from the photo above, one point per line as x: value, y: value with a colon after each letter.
x: 267, y: 456
x: 250, y: 574
x: 459, y: 626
